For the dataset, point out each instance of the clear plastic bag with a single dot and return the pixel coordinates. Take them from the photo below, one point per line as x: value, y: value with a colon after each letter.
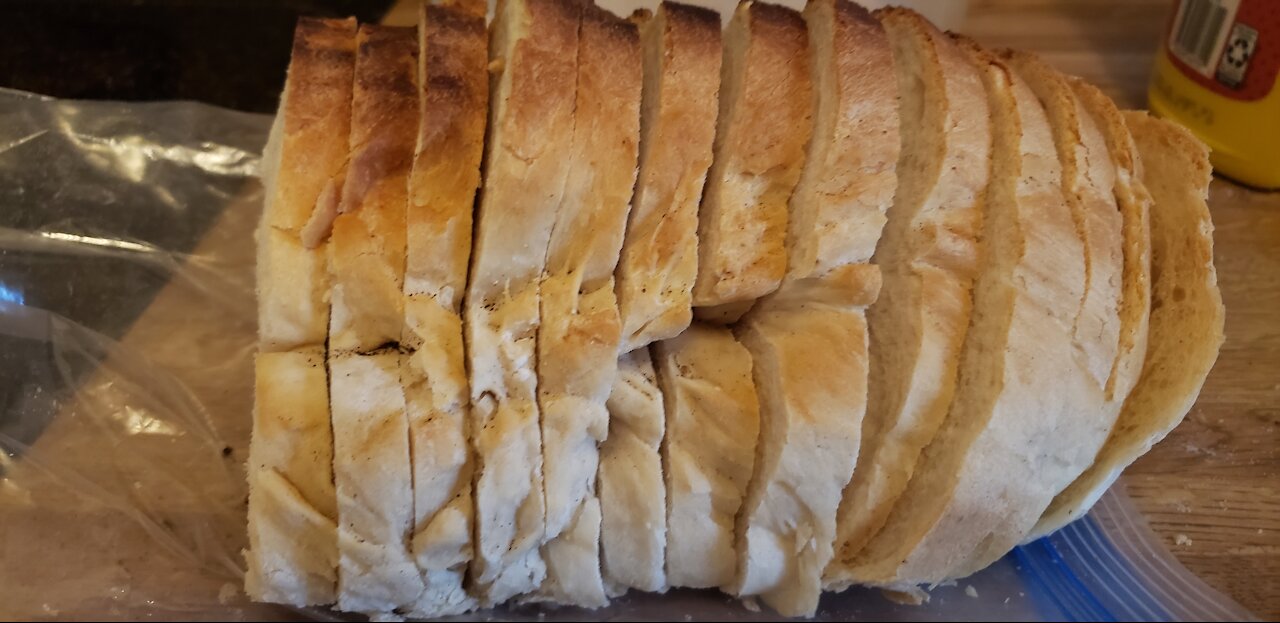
x: 127, y: 324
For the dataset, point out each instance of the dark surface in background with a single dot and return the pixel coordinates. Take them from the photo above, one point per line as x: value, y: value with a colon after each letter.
x: 231, y: 53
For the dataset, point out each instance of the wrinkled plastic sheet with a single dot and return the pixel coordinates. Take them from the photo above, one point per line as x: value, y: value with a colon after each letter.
x: 127, y: 323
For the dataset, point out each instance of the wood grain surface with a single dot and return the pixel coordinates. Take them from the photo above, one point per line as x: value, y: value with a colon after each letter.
x: 1211, y: 489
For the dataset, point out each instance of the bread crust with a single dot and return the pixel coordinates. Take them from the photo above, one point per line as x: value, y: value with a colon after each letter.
x: 659, y: 260
x: 761, y: 131
x: 303, y: 172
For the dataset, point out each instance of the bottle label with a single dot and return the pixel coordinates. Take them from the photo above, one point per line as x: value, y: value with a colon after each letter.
x: 1231, y: 47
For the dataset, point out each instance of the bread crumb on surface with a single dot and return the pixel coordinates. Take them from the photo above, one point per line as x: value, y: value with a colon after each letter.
x: 971, y: 591
x: 1182, y: 539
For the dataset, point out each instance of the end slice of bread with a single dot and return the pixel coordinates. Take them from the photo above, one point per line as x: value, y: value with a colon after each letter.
x: 1187, y: 316
x: 659, y: 260
x: 708, y: 453
x: 303, y: 170
x: 761, y: 131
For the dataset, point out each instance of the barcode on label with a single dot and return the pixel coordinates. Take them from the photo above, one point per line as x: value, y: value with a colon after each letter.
x: 1198, y: 32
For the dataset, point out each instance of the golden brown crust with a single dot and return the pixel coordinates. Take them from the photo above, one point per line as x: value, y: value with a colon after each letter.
x: 450, y: 145
x: 761, y: 133
x: 317, y: 94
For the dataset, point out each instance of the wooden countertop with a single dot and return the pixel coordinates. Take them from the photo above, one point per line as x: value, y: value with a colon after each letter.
x: 1211, y: 490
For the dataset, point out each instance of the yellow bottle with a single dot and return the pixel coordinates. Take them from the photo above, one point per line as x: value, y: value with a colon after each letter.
x: 1218, y: 74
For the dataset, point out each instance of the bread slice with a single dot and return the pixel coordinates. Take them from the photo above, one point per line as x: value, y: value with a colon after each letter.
x: 1187, y: 315
x: 761, y: 132
x: 928, y: 258
x: 659, y: 259
x: 1008, y: 441
x: 633, y: 498
x: 579, y: 334
x: 812, y: 329
x: 374, y: 484
x: 293, y: 542
x: 837, y: 211
x: 809, y: 367
x: 526, y: 166
x: 303, y: 171
x: 1088, y: 182
x: 371, y: 466
x: 293, y: 535
x: 453, y: 99
x: 708, y: 453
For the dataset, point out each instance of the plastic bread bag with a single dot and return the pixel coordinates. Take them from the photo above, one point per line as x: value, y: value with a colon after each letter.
x: 127, y: 323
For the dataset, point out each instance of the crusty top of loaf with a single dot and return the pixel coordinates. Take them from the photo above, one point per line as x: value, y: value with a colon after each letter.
x: 317, y: 108
x: 593, y: 215
x: 761, y: 132
x: 531, y: 120
x: 446, y: 171
x: 368, y: 242
x: 838, y: 208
